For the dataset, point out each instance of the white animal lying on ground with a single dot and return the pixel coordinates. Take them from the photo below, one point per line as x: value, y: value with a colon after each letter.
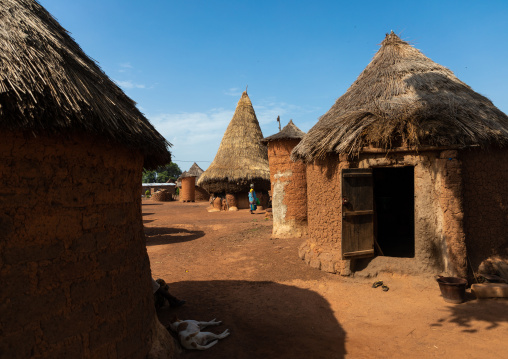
x: 191, y: 336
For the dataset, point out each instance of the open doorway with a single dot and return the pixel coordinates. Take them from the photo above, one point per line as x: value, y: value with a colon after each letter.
x: 394, y: 208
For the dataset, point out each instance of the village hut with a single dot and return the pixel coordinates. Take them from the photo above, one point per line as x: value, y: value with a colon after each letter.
x: 288, y: 183
x: 200, y: 194
x: 74, y: 269
x: 408, y: 169
x: 240, y: 161
x: 188, y: 192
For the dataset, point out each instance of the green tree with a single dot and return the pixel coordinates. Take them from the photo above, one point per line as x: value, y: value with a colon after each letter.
x: 162, y: 174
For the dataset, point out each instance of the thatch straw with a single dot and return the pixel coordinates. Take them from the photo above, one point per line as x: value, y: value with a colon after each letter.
x: 404, y: 99
x: 241, y: 158
x: 194, y: 171
x: 289, y: 132
x: 49, y: 85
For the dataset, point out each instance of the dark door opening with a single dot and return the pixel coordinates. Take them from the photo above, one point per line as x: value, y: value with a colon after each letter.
x: 394, y: 207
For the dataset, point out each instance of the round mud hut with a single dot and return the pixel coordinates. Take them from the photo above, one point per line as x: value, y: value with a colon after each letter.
x: 188, y: 192
x: 240, y: 161
x: 74, y: 269
x: 201, y: 195
x: 288, y: 183
x: 407, y: 173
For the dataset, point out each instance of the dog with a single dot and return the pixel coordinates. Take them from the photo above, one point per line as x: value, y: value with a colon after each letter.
x: 190, y: 334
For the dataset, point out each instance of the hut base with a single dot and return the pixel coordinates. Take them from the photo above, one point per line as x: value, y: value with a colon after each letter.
x: 289, y: 229
x: 164, y: 345
x: 233, y: 208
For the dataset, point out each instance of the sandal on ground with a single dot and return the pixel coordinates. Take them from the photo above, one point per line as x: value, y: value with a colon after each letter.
x: 377, y: 284
x: 385, y: 288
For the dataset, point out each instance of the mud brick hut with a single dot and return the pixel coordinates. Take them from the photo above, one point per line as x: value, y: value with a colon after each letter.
x: 74, y: 270
x: 241, y: 160
x: 190, y: 191
x: 406, y: 172
x: 288, y: 183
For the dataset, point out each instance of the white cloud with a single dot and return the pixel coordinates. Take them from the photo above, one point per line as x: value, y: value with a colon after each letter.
x: 234, y: 91
x: 129, y: 85
x: 125, y: 67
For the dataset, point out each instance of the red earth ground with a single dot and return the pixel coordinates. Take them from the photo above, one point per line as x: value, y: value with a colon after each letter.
x: 227, y: 267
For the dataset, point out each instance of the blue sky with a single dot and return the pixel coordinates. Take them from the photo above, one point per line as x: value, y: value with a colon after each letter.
x: 186, y: 62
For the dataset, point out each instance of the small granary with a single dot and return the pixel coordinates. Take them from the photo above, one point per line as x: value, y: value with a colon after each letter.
x: 74, y: 269
x: 190, y: 192
x: 241, y: 160
x: 407, y: 172
x: 288, y: 182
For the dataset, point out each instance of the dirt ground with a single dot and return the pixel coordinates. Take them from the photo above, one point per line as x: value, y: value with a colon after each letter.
x: 227, y: 267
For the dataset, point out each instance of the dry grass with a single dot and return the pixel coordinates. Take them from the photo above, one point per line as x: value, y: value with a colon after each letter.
x: 49, y: 85
x: 289, y: 132
x: 404, y: 99
x: 241, y: 158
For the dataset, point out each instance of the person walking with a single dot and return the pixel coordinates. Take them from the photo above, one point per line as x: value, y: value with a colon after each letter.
x: 252, y: 199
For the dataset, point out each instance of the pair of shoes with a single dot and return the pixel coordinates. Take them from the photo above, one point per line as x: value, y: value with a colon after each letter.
x: 377, y: 284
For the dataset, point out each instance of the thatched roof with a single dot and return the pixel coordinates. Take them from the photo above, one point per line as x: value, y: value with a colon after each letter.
x: 49, y: 85
x: 404, y: 99
x: 289, y: 132
x: 194, y: 171
x: 242, y: 158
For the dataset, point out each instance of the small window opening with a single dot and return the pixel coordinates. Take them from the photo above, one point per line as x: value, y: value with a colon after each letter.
x: 394, y: 208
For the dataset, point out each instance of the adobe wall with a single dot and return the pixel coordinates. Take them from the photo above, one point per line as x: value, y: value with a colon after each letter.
x: 289, y: 190
x: 439, y: 234
x: 188, y: 190
x: 201, y: 195
x: 486, y: 207
x: 74, y: 269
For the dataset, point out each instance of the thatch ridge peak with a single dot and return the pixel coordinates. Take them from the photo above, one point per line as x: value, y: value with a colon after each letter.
x: 404, y: 99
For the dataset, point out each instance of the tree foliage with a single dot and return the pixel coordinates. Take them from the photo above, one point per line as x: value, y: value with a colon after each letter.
x: 162, y: 174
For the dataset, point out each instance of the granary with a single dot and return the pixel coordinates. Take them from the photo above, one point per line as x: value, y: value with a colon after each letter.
x: 190, y: 192
x: 240, y: 161
x: 74, y: 269
x: 406, y: 172
x: 288, y: 183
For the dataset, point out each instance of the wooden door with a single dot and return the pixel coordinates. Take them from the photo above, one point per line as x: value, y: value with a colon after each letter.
x: 357, y: 213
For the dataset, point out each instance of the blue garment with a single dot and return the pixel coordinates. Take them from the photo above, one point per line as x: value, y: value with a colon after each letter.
x: 252, y: 200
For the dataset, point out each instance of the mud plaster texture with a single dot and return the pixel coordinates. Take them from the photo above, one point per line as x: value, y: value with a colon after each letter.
x: 188, y: 191
x: 485, y: 180
x: 73, y: 263
x: 439, y: 231
x: 201, y: 195
x: 289, y: 190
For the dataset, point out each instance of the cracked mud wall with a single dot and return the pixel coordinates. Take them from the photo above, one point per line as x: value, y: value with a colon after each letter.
x: 74, y: 269
x: 289, y: 190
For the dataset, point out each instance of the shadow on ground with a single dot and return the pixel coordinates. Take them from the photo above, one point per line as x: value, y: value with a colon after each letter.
x: 266, y: 320
x: 160, y: 235
x: 477, y: 315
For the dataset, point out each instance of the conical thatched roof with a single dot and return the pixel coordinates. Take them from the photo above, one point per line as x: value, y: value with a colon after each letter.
x: 289, y: 132
x: 242, y: 158
x: 404, y: 99
x: 49, y: 85
x: 194, y: 171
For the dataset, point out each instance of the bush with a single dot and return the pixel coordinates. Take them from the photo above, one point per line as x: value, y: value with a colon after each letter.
x: 147, y: 193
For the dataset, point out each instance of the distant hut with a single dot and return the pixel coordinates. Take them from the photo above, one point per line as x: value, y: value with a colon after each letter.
x: 288, y: 182
x: 241, y: 160
x: 188, y: 192
x: 74, y: 271
x: 407, y: 169
x: 200, y: 193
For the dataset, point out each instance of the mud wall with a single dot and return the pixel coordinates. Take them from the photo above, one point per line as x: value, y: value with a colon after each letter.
x: 74, y: 269
x: 485, y: 205
x: 289, y: 190
x: 201, y: 195
x: 188, y: 191
x: 439, y: 231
